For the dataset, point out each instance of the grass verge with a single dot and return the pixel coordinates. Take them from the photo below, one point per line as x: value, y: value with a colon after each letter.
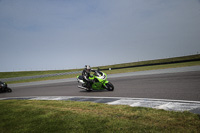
x: 173, y: 60
x: 68, y: 116
x: 33, y: 73
x: 144, y: 68
x: 154, y: 67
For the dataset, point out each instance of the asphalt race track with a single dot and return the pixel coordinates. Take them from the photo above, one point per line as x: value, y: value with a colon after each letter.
x: 176, y: 86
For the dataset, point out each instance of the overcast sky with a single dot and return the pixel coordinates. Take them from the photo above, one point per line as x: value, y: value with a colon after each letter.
x: 65, y: 34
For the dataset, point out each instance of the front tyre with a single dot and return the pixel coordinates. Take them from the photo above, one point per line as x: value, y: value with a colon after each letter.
x: 109, y: 86
x: 9, y: 90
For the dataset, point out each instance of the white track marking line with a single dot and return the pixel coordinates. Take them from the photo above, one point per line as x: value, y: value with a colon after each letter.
x: 166, y: 104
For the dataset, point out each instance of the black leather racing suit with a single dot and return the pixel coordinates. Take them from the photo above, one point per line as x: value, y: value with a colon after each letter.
x: 86, y: 79
x: 3, y: 86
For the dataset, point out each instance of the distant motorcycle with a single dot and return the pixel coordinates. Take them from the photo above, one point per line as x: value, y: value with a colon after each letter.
x: 4, y: 87
x: 100, y: 82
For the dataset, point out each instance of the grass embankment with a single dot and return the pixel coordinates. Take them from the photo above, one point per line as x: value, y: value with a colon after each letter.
x: 33, y: 73
x: 174, y: 60
x: 142, y: 66
x: 154, y: 67
x: 67, y: 116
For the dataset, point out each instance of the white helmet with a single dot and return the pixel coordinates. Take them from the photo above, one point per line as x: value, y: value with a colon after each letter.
x: 87, y: 68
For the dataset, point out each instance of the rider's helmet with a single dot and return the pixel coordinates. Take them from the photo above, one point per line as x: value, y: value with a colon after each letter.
x: 87, y: 68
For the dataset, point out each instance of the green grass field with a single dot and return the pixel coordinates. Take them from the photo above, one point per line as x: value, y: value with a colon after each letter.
x: 31, y: 116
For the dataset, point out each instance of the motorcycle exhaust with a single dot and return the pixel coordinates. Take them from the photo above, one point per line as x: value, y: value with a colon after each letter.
x: 82, y: 87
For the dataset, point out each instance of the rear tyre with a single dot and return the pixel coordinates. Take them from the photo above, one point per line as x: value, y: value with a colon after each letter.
x: 88, y: 90
x: 110, y: 86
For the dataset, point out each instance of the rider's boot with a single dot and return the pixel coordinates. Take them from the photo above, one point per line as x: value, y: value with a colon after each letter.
x: 89, y: 86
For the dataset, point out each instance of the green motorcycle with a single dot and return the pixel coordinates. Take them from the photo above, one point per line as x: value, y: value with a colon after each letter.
x: 100, y: 82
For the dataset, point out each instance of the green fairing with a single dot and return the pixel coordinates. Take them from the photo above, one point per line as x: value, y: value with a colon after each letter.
x: 91, y: 77
x: 100, y: 82
x: 99, y: 85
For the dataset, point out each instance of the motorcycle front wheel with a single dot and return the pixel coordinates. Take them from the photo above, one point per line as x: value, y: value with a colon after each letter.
x: 9, y: 90
x: 110, y: 86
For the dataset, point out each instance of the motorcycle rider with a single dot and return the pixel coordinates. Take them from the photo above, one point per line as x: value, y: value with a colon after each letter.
x: 2, y: 86
x: 86, y: 75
